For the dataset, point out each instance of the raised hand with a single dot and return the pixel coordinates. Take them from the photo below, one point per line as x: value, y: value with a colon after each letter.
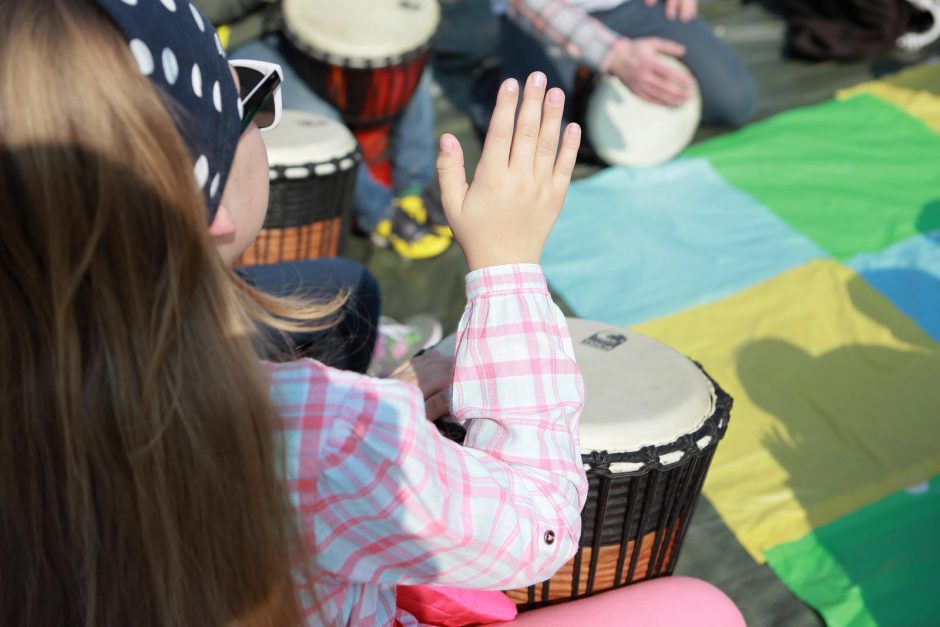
x: 519, y: 187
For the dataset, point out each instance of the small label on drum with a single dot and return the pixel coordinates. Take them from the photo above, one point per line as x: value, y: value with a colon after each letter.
x: 605, y: 340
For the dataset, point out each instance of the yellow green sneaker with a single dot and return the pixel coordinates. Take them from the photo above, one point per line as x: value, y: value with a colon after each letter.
x: 407, y: 237
x: 426, y: 208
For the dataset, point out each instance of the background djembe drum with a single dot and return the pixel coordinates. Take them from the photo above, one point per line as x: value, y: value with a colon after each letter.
x: 365, y: 58
x: 651, y: 423
x: 623, y: 129
x: 313, y: 165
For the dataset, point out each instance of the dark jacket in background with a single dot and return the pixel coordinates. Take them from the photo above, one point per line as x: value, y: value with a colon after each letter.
x: 844, y: 30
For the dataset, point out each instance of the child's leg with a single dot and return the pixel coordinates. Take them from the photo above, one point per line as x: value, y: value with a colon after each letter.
x: 666, y: 602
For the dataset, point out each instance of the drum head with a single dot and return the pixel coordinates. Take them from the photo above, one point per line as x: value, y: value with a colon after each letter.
x: 624, y: 129
x: 305, y: 138
x: 362, y: 29
x: 638, y: 392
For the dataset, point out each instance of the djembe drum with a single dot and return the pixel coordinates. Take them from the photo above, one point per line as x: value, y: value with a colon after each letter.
x: 313, y: 165
x: 624, y: 129
x: 651, y: 422
x: 365, y: 58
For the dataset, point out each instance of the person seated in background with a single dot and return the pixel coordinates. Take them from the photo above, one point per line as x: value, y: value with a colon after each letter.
x: 408, y: 217
x: 623, y: 38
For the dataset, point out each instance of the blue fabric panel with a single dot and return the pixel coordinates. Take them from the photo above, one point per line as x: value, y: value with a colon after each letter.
x: 636, y: 244
x: 908, y: 274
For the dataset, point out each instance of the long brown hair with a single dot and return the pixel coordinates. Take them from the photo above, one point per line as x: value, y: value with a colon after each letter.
x: 139, y: 478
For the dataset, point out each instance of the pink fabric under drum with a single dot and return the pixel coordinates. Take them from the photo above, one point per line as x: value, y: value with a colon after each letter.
x: 665, y: 602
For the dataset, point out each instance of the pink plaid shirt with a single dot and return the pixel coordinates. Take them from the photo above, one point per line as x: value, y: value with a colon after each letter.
x: 383, y: 499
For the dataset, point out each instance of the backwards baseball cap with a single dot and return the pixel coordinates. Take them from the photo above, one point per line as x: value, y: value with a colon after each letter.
x: 178, y: 49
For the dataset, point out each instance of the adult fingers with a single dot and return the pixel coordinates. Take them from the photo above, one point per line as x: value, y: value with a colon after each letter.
x: 437, y: 405
x: 548, y: 135
x: 667, y: 46
x: 688, y: 10
x: 660, y: 89
x: 567, y: 157
x: 529, y: 123
x: 499, y: 136
x: 451, y: 174
x: 672, y: 9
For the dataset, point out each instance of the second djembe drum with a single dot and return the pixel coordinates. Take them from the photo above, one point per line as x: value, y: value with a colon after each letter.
x: 313, y: 165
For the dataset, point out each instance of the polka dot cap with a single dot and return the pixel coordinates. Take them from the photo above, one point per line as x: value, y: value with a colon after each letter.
x: 176, y: 47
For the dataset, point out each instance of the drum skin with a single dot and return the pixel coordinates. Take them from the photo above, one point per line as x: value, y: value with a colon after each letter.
x: 363, y: 57
x: 624, y: 129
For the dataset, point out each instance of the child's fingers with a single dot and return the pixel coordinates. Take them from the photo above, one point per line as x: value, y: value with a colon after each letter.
x: 548, y: 135
x: 451, y: 173
x: 438, y: 405
x: 529, y: 122
x: 567, y: 157
x: 499, y: 136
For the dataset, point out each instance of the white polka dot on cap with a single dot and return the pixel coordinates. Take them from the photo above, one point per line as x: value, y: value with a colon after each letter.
x: 143, y: 56
x: 133, y: 3
x: 169, y: 4
x: 171, y: 68
x: 217, y: 96
x: 199, y: 21
x: 197, y: 80
x: 201, y: 170
x: 214, y: 188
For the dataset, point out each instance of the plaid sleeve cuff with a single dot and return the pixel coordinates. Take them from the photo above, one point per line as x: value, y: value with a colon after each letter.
x: 517, y: 277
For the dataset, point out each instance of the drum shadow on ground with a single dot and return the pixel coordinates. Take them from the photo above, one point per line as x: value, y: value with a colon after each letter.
x: 780, y: 377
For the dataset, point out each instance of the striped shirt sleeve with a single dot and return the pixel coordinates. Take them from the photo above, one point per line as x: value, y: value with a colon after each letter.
x: 558, y: 22
x: 399, y: 504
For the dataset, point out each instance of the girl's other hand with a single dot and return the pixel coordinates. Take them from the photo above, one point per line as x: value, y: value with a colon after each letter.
x: 506, y: 215
x: 433, y: 373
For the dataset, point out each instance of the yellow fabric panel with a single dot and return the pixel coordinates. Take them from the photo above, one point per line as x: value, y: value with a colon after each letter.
x: 916, y: 91
x: 836, y: 400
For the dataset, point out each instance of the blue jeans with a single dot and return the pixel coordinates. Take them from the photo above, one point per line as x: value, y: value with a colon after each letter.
x: 412, y: 137
x: 728, y: 93
x: 349, y: 343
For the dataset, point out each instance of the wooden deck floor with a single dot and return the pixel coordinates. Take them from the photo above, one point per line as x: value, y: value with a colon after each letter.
x: 755, y: 31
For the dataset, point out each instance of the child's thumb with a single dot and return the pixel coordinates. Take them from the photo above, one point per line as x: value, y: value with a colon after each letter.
x: 451, y: 173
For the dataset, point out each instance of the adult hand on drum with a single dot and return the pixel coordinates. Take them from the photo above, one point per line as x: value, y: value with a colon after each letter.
x: 636, y: 63
x: 433, y: 374
x: 684, y: 10
x: 506, y: 215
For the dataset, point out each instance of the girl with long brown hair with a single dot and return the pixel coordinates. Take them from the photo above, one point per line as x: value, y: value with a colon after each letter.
x: 153, y: 470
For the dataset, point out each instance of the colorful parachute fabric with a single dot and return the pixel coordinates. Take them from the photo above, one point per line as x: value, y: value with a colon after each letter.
x: 798, y: 260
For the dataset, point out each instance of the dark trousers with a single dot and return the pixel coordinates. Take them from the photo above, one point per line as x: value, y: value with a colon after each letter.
x: 728, y: 93
x: 348, y: 344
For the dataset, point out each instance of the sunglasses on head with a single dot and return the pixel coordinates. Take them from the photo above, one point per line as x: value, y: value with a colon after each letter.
x: 259, y: 92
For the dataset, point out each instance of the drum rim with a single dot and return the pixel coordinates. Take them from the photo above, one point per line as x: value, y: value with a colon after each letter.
x: 281, y: 169
x: 364, y: 63
x: 714, y: 427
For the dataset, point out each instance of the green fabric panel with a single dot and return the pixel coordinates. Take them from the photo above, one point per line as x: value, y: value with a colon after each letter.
x: 878, y: 566
x: 855, y: 175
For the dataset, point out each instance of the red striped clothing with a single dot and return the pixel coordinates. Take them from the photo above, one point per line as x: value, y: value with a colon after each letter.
x: 382, y: 499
